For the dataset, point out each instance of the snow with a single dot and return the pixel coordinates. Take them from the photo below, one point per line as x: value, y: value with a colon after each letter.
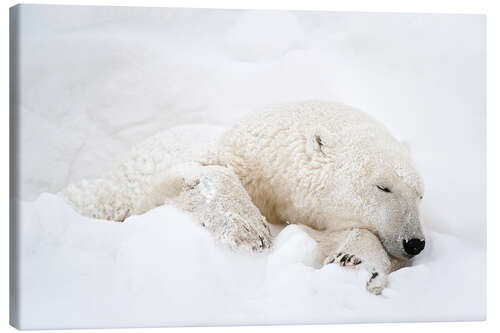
x: 95, y: 80
x: 163, y: 269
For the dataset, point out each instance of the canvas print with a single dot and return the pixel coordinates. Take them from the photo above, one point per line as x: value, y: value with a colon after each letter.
x: 190, y: 167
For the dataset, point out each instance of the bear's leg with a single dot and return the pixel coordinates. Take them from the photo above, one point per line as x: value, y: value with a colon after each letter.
x: 216, y: 197
x: 357, y: 248
x: 99, y: 199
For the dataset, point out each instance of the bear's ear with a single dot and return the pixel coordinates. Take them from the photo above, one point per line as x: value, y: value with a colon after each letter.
x: 315, y: 142
x: 318, y: 143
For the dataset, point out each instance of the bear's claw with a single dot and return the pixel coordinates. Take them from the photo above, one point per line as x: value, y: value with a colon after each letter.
x: 343, y: 259
x: 247, y: 237
x: 376, y: 283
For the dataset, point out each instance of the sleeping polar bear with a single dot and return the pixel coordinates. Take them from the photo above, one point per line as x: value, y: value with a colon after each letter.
x: 330, y: 168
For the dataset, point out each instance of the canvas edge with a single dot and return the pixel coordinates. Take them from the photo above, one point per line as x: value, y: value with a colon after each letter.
x: 14, y: 16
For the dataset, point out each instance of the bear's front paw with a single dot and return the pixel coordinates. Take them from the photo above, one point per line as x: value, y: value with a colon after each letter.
x: 250, y: 239
x: 241, y: 235
x: 342, y: 259
x: 376, y: 283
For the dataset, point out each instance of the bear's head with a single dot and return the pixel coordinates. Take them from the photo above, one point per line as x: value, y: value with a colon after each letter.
x: 328, y: 166
x: 369, y: 180
x: 392, y: 194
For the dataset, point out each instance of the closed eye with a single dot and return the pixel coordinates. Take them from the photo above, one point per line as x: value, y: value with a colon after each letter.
x: 383, y: 188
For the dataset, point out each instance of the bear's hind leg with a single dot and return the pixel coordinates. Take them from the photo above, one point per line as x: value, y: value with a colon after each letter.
x: 99, y: 199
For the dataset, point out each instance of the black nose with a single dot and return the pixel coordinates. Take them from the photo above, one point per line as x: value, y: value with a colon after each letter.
x: 414, y: 246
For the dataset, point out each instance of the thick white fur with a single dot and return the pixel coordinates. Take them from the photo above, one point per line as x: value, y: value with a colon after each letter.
x: 318, y: 163
x: 313, y: 163
x: 122, y: 191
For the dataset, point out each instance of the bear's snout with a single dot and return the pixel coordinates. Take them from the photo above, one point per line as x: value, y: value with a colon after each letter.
x: 414, y: 246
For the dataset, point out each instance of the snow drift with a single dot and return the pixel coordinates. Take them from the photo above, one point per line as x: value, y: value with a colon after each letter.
x: 163, y: 269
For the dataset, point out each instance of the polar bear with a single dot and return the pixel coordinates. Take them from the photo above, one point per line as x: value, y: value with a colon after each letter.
x: 327, y: 167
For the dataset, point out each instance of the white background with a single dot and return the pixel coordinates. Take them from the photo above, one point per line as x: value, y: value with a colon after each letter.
x: 425, y: 9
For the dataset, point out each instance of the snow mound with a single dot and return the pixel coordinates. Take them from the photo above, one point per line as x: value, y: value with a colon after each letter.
x: 163, y: 269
